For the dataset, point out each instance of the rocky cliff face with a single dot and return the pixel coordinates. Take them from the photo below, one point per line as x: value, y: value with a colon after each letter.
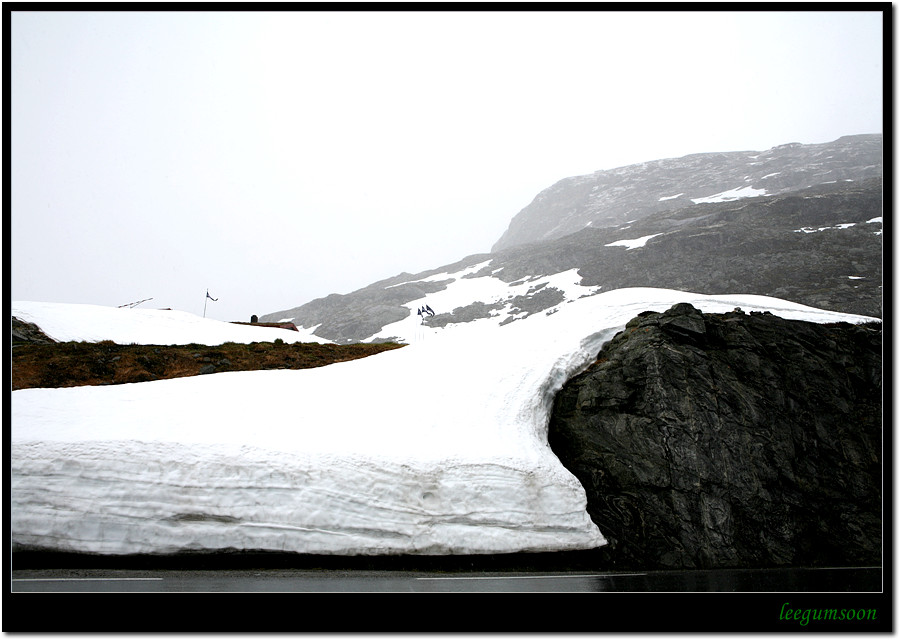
x: 734, y: 440
x: 613, y: 197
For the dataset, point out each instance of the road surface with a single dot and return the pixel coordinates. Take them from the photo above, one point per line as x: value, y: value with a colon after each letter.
x: 857, y: 579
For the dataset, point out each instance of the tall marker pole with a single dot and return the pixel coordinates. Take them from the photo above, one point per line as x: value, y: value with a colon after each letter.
x: 208, y: 297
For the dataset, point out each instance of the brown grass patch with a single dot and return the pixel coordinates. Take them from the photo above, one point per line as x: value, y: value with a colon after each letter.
x: 73, y: 364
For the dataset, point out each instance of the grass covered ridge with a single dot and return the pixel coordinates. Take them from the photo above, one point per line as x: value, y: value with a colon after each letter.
x: 74, y: 364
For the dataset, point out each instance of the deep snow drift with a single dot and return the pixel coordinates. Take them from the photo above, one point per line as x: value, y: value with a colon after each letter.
x: 436, y: 448
x: 93, y: 323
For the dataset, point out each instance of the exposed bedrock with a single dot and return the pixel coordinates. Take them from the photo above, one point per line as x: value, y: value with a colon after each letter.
x: 729, y: 440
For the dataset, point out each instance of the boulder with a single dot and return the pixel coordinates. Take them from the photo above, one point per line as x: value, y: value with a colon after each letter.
x: 23, y: 332
x: 729, y: 441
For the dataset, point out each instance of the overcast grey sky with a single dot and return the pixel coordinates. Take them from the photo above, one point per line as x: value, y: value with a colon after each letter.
x: 276, y: 157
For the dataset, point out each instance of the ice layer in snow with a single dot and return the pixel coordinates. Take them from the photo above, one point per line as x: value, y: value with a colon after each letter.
x: 436, y: 448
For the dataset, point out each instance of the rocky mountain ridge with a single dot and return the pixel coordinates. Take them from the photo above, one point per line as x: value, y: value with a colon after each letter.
x: 820, y: 245
x: 610, y: 198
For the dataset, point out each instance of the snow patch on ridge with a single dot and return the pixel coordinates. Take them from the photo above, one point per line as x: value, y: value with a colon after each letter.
x: 485, y: 289
x: 636, y: 243
x: 733, y: 194
x: 845, y: 225
x: 439, y: 277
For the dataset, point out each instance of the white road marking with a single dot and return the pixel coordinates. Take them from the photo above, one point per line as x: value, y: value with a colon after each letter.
x: 592, y: 575
x: 835, y: 568
x: 79, y: 579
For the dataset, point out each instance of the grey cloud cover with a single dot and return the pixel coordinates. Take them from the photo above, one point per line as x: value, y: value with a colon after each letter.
x: 276, y: 157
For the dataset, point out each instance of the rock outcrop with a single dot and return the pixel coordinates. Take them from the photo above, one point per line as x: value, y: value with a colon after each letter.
x: 22, y: 332
x: 731, y: 440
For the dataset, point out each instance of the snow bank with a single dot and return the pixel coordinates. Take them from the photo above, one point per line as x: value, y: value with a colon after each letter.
x: 93, y: 323
x: 436, y: 448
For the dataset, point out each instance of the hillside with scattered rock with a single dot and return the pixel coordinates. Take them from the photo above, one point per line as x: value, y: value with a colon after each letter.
x: 798, y: 222
x: 821, y: 246
x: 610, y: 198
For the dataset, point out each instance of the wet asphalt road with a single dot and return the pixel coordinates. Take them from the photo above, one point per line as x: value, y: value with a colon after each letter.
x: 362, y: 600
x: 854, y: 579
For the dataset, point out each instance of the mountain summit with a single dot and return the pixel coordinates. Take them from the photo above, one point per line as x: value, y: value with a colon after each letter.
x: 609, y: 198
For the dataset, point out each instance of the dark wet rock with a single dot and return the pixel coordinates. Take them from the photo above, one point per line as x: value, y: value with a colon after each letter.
x: 729, y: 440
x: 346, y: 318
x: 475, y: 311
x: 23, y: 332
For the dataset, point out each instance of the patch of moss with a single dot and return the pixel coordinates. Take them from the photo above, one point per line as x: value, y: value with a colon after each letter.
x: 72, y: 364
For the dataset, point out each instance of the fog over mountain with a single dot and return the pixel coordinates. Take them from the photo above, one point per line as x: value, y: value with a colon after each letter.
x: 611, y: 198
x: 797, y: 222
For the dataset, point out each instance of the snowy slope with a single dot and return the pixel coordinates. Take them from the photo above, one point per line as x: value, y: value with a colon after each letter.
x: 464, y: 288
x: 93, y: 323
x: 798, y: 246
x: 437, y: 448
